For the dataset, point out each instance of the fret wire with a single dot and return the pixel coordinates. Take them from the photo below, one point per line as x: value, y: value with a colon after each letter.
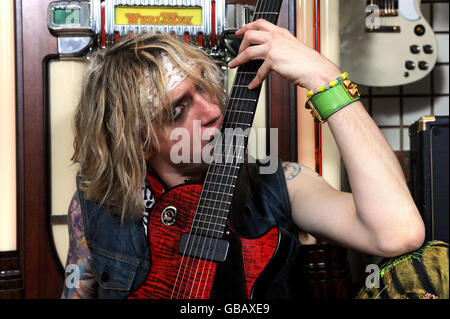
x: 225, y: 185
x: 230, y: 156
x: 211, y: 192
x: 240, y: 135
x: 229, y: 159
x: 243, y: 107
x: 210, y: 215
x: 226, y: 168
x: 222, y: 175
x: 243, y: 99
x: 207, y: 222
x: 245, y: 112
x: 217, y: 186
x: 213, y: 208
x: 219, y: 148
x: 220, y: 188
x: 216, y: 192
x: 207, y: 230
x: 223, y: 165
x: 238, y: 123
x: 217, y: 201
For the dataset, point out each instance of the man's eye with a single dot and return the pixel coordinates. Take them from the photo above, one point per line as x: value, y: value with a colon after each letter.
x: 200, y: 88
x: 176, y: 111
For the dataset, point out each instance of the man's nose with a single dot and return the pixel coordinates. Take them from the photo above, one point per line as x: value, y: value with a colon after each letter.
x: 210, y: 113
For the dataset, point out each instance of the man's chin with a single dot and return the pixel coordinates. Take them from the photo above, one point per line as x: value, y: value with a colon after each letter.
x: 194, y: 170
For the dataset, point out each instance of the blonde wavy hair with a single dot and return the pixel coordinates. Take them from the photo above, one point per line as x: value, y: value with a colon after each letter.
x: 114, y: 124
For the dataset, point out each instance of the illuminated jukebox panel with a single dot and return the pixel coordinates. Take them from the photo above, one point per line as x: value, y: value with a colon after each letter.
x: 79, y: 25
x: 82, y: 26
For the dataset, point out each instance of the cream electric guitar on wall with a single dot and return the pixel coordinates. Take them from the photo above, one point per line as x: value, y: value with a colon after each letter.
x: 386, y: 42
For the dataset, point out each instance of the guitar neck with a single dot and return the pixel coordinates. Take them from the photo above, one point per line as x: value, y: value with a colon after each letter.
x: 229, y: 150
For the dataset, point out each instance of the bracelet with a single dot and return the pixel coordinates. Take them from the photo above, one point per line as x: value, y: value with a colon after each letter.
x: 342, y: 77
x: 330, y: 98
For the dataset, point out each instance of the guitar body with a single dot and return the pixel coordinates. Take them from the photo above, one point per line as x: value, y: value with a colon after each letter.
x: 386, y: 56
x: 174, y: 275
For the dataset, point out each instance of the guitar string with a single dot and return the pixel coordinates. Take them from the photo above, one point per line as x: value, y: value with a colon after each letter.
x: 265, y: 8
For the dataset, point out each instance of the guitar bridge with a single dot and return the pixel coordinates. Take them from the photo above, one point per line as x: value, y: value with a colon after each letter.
x: 202, y: 247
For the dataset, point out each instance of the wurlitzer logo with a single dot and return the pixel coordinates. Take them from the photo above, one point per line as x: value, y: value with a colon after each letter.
x: 166, y: 18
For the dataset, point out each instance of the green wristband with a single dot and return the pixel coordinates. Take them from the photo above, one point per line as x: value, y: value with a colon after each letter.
x: 328, y: 102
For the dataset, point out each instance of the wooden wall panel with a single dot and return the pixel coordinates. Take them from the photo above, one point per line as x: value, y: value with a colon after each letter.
x: 282, y: 97
x: 34, y: 44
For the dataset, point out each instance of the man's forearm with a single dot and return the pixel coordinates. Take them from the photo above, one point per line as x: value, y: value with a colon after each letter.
x: 382, y: 198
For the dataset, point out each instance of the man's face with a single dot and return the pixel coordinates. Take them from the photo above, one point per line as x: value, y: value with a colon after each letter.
x: 196, y: 114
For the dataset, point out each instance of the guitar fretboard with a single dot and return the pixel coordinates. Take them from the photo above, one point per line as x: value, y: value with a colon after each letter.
x: 229, y: 150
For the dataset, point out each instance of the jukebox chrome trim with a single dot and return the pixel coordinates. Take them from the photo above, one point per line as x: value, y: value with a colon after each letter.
x: 206, y: 28
x: 98, y: 23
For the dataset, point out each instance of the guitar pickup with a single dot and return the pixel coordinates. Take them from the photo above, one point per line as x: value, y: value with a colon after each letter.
x: 383, y: 29
x: 203, y: 247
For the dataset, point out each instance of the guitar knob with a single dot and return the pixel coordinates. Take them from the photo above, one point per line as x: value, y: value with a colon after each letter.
x: 428, y: 49
x: 169, y: 216
x: 415, y: 49
x: 423, y: 65
x: 419, y: 30
x: 410, y: 65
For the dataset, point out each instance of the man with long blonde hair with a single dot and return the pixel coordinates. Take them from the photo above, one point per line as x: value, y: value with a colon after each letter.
x: 136, y: 93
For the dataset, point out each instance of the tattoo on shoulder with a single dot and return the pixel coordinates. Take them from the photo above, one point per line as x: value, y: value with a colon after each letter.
x: 291, y: 170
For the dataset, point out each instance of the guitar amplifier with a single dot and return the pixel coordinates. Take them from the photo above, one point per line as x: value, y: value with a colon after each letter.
x: 429, y: 173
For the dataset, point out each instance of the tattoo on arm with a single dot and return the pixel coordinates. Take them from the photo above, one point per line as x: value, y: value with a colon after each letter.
x: 291, y: 170
x: 79, y: 281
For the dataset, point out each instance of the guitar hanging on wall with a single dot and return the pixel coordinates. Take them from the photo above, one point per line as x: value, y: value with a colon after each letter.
x: 189, y: 232
x: 386, y: 42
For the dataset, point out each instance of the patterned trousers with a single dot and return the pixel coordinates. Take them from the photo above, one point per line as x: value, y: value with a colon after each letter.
x: 422, y: 274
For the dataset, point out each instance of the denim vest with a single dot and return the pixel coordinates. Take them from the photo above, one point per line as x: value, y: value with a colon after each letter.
x: 120, y: 251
